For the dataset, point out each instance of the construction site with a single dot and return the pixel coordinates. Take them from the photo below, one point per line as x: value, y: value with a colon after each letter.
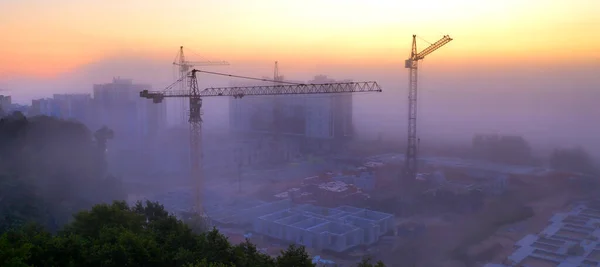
x: 290, y: 172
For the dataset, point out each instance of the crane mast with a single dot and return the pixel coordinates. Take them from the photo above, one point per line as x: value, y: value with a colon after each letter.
x: 184, y: 67
x: 195, y: 114
x: 411, y: 164
x: 277, y: 116
x: 196, y: 155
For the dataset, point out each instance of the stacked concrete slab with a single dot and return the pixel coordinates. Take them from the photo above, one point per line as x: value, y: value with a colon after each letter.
x: 571, y: 239
x: 336, y: 229
x: 365, y: 180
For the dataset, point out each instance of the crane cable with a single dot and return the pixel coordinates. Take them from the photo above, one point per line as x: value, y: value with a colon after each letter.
x: 246, y: 77
x: 422, y: 39
x: 228, y: 75
x: 173, y: 84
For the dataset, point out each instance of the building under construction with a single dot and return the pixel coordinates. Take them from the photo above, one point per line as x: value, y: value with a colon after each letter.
x: 320, y: 123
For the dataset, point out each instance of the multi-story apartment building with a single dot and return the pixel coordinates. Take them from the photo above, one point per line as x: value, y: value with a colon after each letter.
x: 5, y: 103
x: 119, y: 106
x: 65, y: 106
x: 74, y: 106
x: 312, y: 116
x: 45, y: 106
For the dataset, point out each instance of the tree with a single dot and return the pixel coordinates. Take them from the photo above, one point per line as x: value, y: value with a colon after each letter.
x: 18, y: 203
x: 573, y: 159
x: 366, y: 262
x: 294, y: 256
x: 502, y: 148
x: 140, y: 235
x: 198, y: 223
x: 49, y: 169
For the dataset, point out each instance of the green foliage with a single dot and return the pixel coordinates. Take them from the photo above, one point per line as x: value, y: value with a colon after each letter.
x: 49, y: 169
x: 142, y: 235
x: 366, y: 262
x: 204, y: 263
x: 294, y: 256
x: 199, y: 224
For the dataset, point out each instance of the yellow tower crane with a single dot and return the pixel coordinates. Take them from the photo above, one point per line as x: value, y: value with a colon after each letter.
x: 410, y: 168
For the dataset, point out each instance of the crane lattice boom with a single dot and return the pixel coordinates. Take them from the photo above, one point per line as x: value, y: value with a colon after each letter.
x: 441, y: 42
x: 288, y: 89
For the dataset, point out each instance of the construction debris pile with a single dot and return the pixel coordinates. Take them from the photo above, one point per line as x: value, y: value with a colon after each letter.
x: 329, y: 189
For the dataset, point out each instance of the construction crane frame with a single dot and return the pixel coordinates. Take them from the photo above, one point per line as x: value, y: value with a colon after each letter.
x: 411, y: 164
x: 195, y: 115
x: 262, y: 90
x: 184, y: 67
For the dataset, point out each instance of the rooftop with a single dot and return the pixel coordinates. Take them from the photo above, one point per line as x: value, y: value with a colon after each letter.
x: 571, y: 239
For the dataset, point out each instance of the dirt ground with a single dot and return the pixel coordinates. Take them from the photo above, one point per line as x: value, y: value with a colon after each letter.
x: 487, y: 236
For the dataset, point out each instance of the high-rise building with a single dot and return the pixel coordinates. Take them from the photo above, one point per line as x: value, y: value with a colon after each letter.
x: 74, y: 106
x: 329, y: 116
x: 323, y: 117
x: 119, y: 106
x: 45, y: 106
x: 64, y: 106
x: 5, y: 103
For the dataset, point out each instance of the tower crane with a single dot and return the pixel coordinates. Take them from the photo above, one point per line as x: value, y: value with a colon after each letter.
x: 412, y: 63
x: 195, y: 97
x: 277, y: 114
x: 184, y: 66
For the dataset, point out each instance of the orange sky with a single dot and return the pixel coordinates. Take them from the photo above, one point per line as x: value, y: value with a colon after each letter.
x: 45, y: 38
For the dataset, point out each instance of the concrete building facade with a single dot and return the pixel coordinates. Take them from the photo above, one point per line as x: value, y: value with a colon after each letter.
x: 46, y: 107
x: 119, y: 106
x: 74, y: 106
x: 335, y: 229
x: 5, y: 102
x: 319, y: 117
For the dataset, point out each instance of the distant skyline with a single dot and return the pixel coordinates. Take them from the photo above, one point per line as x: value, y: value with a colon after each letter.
x: 515, y: 67
x: 46, y: 38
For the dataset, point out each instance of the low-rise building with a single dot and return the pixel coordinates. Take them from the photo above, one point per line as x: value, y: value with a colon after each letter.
x: 571, y: 239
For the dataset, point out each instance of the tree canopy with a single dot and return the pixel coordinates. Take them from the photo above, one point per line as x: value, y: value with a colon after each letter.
x: 573, y: 159
x: 52, y: 174
x: 49, y: 169
x: 141, y: 235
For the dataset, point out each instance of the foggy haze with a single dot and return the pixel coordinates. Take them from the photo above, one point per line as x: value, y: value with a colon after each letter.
x: 550, y: 105
x: 504, y: 168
